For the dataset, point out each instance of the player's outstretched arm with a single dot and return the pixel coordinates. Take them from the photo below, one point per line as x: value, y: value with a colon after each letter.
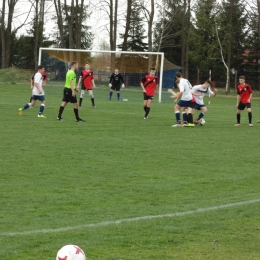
x: 172, y: 92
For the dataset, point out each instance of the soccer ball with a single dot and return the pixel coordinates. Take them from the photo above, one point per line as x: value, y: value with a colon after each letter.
x: 70, y: 252
x: 202, y: 121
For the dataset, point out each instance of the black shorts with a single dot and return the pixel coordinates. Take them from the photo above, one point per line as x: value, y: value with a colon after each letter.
x: 147, y: 97
x: 67, y: 96
x: 116, y: 87
x: 242, y: 106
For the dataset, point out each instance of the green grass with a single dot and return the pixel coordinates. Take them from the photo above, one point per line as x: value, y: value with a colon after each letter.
x: 14, y: 75
x: 119, y: 166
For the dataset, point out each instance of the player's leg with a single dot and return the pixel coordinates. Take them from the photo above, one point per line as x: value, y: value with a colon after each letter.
x: 42, y: 106
x: 189, y: 114
x: 76, y: 109
x: 111, y: 92
x: 184, y: 115
x: 202, y: 113
x: 118, y: 92
x: 82, y: 93
x: 240, y: 107
x: 66, y: 98
x: 249, y: 111
x: 91, y: 95
x: 26, y: 106
x: 177, y: 108
x: 148, y: 107
x: 145, y: 103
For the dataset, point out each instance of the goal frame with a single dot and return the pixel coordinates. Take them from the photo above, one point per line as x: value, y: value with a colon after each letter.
x: 121, y: 52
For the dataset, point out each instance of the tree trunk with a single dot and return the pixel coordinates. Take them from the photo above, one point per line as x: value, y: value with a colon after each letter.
x: 230, y: 27
x: 40, y: 34
x: 3, y: 35
x: 150, y: 35
x: 58, y: 10
x: 78, y: 24
x: 111, y: 33
x: 36, y: 33
x: 187, y: 42
x: 127, y: 25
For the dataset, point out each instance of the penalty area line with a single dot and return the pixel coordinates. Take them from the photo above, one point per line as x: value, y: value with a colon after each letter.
x: 128, y: 220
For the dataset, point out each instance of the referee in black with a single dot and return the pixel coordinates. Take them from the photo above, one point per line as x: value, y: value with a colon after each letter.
x: 116, y: 79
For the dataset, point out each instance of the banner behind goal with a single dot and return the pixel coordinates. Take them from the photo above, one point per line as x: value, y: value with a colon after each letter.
x: 132, y: 65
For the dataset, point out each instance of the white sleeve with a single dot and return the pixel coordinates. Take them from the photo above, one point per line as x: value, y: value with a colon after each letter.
x: 181, y: 86
x: 211, y: 92
x: 37, y: 78
x: 195, y: 88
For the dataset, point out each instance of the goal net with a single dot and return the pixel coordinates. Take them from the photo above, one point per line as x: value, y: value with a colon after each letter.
x: 132, y: 65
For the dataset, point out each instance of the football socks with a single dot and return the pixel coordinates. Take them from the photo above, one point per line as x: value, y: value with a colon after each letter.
x: 118, y: 96
x: 250, y: 117
x: 238, y: 118
x: 178, y: 117
x: 201, y: 115
x: 41, y: 109
x: 93, y: 103
x: 60, y: 111
x: 147, y: 112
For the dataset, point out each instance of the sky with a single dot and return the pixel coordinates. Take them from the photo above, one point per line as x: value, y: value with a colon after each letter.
x: 98, y: 19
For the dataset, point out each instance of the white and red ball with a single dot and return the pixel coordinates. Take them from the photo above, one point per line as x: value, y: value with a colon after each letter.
x: 71, y: 252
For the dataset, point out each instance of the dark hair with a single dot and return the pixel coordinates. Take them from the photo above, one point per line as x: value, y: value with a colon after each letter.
x: 87, y: 63
x: 242, y: 77
x: 152, y: 68
x: 73, y: 63
x: 209, y: 81
x: 40, y: 67
x: 178, y: 75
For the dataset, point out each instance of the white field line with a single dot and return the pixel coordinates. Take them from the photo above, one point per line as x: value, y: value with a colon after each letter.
x: 128, y: 220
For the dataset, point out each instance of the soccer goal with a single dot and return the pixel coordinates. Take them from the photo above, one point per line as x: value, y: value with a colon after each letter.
x: 132, y: 65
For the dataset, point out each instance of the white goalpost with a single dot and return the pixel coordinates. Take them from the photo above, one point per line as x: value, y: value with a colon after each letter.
x: 131, y: 63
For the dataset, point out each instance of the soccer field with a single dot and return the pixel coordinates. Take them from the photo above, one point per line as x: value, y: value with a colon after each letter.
x: 125, y: 188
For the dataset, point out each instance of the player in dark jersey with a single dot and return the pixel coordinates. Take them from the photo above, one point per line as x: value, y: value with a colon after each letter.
x: 244, y: 96
x: 87, y: 79
x: 149, y: 84
x: 116, y: 79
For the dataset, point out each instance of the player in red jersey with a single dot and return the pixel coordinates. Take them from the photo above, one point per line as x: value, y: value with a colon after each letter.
x: 244, y: 96
x: 87, y: 78
x: 149, y: 84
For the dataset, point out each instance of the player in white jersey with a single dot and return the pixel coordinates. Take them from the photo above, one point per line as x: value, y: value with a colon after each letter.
x: 37, y: 92
x: 202, y: 90
x: 186, y: 101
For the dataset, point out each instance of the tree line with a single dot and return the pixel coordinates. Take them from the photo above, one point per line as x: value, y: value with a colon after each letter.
x: 222, y: 36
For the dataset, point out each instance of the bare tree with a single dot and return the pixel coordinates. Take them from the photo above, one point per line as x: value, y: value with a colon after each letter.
x: 127, y: 24
x: 7, y: 33
x: 59, y: 13
x: 222, y: 56
x: 38, y: 27
x: 149, y: 14
x: 113, y: 10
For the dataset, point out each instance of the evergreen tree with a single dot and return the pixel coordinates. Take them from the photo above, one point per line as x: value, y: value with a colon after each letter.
x: 86, y: 35
x: 136, y: 33
x: 167, y: 31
